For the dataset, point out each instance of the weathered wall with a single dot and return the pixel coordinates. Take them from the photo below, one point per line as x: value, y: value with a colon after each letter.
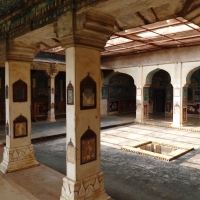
x: 167, y: 56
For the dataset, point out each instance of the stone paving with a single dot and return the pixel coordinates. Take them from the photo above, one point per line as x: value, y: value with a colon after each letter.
x: 129, y: 176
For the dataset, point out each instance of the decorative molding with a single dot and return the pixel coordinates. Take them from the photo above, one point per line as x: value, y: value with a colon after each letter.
x: 84, y: 189
x: 15, y: 159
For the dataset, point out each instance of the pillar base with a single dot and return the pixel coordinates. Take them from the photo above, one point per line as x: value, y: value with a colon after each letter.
x: 15, y: 159
x: 176, y: 125
x: 90, y: 188
x: 51, y: 116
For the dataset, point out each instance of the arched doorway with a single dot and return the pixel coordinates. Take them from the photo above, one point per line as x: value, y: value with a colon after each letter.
x: 193, y: 98
x: 121, y: 98
x: 161, y: 94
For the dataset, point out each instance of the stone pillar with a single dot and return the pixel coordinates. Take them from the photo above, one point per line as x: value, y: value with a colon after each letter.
x: 177, y: 96
x: 18, y: 153
x: 139, y: 96
x: 84, y: 179
x: 51, y: 112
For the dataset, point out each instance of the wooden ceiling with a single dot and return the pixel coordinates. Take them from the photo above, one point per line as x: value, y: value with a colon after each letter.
x: 172, y: 33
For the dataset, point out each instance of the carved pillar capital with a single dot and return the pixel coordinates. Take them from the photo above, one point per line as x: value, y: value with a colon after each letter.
x: 18, y: 50
x: 88, y: 29
x: 52, y: 71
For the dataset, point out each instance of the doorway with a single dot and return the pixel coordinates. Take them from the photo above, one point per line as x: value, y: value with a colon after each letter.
x: 159, y: 100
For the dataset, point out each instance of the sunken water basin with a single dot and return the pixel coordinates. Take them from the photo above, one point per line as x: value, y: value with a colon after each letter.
x: 158, y: 150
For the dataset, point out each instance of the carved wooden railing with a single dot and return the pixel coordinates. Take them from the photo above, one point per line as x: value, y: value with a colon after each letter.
x: 60, y: 108
x: 39, y: 110
x: 2, y: 112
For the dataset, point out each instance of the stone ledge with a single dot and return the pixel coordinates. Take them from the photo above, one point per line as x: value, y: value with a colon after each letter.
x: 177, y: 152
x: 167, y: 126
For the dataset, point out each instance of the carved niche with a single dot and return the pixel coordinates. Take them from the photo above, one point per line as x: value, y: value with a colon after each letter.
x: 70, y: 94
x: 87, y: 93
x: 20, y: 126
x: 88, y: 147
x: 19, y: 91
x: 70, y: 152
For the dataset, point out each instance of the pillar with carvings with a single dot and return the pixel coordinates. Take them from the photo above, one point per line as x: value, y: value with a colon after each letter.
x: 83, y: 43
x: 18, y: 153
x: 51, y: 110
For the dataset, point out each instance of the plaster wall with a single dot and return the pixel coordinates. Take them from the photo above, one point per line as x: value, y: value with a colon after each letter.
x: 167, y: 56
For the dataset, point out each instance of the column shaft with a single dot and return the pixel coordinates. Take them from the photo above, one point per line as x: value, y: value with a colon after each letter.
x: 18, y: 153
x: 51, y: 112
x: 84, y: 177
x: 177, y: 96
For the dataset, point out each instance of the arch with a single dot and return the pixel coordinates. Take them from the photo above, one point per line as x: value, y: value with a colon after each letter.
x: 150, y: 76
x: 193, y: 91
x: 107, y: 78
x: 159, y: 92
x: 121, y: 93
x: 189, y: 75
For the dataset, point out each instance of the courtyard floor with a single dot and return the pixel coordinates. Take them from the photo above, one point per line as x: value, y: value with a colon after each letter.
x: 128, y: 176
